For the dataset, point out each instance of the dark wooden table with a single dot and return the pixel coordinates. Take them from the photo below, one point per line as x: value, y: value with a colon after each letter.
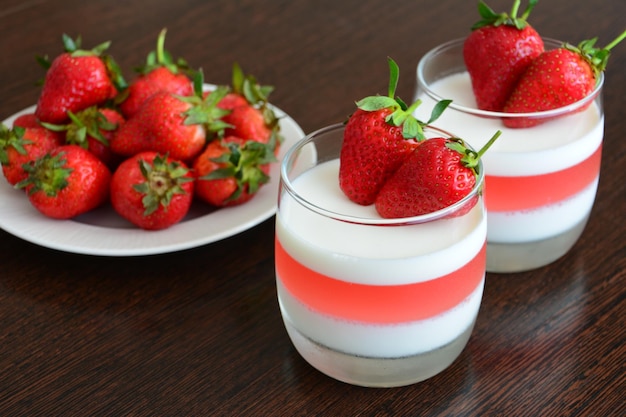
x: 199, y: 333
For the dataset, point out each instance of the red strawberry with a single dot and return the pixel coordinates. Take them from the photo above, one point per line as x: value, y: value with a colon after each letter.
x: 77, y: 79
x: 160, y: 73
x: 152, y: 191
x: 92, y: 129
x: 250, y: 118
x: 66, y: 182
x: 437, y: 174
x: 230, y: 171
x: 26, y: 120
x: 578, y: 69
x: 497, y: 51
x: 251, y: 123
x: 378, y: 136
x: 230, y: 101
x: 21, y: 145
x: 171, y: 124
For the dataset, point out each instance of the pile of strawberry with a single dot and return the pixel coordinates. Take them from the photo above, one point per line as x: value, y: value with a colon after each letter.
x: 386, y: 159
x: 511, y: 71
x: 149, y: 147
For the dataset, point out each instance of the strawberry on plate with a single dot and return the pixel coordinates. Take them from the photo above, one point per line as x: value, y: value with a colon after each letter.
x: 66, y: 182
x: 27, y: 120
x: 159, y: 73
x: 77, y: 79
x: 92, y: 128
x: 250, y: 116
x: 497, y: 52
x: 230, y: 171
x: 556, y: 78
x: 378, y: 136
x: 152, y: 191
x: 171, y: 124
x: 438, y: 173
x: 21, y: 145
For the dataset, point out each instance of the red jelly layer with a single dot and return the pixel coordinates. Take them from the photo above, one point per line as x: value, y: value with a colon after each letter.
x: 378, y: 304
x: 528, y: 192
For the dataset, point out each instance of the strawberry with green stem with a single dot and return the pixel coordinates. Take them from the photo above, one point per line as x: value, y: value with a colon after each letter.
x: 251, y: 117
x: 92, y: 128
x: 378, y: 136
x: 438, y: 173
x: 497, y: 52
x: 77, y: 79
x: 231, y: 171
x: 21, y: 145
x: 66, y: 182
x: 171, y: 124
x: 161, y: 72
x: 557, y: 78
x: 152, y: 191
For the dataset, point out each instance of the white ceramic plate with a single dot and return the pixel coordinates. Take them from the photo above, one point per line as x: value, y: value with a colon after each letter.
x: 103, y: 232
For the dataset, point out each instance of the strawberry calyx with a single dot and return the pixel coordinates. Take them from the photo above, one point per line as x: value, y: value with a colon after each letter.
x: 491, y: 18
x: 204, y: 110
x: 243, y: 163
x: 48, y: 174
x: 401, y: 114
x: 257, y: 95
x: 247, y: 86
x: 163, y: 180
x: 470, y: 157
x: 88, y: 122
x: 12, y: 138
x: 596, y: 57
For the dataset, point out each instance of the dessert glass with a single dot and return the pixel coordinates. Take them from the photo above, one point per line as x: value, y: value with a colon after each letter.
x: 370, y: 301
x: 541, y: 181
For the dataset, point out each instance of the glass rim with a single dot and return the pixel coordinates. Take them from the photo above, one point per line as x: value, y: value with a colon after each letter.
x: 286, y: 184
x: 494, y: 114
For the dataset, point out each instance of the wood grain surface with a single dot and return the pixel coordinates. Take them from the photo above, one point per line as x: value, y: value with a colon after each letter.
x: 199, y: 332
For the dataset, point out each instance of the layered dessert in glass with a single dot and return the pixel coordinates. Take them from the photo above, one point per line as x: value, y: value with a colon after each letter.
x: 366, y: 300
x: 540, y: 181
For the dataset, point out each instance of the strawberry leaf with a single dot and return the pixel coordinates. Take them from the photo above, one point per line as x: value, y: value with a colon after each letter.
x: 439, y: 108
x: 374, y: 103
x: 490, y: 18
x: 394, y: 75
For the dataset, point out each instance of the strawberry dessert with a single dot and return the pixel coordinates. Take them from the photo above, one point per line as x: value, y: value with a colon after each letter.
x: 541, y: 176
x: 380, y: 280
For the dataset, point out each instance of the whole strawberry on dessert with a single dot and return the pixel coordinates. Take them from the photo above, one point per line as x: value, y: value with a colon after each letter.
x: 159, y: 73
x: 378, y: 137
x: 66, y: 182
x: 92, y: 128
x: 497, y: 52
x: 21, y: 145
x: 438, y: 173
x: 171, y: 124
x: 152, y: 191
x: 230, y: 171
x: 77, y: 79
x: 578, y: 69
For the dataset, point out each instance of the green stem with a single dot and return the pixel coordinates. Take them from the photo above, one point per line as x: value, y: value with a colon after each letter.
x: 616, y: 41
x: 514, y: 9
x: 161, y: 46
x: 529, y: 8
x: 488, y: 144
